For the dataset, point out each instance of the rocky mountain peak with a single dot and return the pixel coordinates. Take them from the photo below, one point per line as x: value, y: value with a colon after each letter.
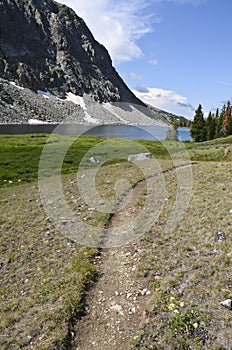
x: 46, y: 50
x: 46, y: 46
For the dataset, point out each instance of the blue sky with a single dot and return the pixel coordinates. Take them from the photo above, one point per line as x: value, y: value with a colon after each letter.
x: 173, y: 54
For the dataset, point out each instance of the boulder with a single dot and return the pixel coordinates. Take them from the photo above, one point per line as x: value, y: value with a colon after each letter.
x: 139, y: 156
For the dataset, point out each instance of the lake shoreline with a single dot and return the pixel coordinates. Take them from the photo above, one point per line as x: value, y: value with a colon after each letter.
x: 115, y: 130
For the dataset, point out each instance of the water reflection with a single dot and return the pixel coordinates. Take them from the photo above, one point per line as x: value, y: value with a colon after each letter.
x: 120, y: 131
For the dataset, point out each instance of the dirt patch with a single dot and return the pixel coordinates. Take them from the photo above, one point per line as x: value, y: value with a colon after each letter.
x: 116, y: 303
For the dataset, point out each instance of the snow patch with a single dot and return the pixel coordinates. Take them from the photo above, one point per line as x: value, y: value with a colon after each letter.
x: 79, y: 100
x: 36, y: 122
x: 14, y: 84
x: 45, y: 94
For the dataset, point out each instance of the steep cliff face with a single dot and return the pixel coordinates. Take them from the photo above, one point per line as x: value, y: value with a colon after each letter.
x: 46, y: 46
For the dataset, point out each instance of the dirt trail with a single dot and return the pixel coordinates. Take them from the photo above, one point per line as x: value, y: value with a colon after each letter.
x: 115, y: 304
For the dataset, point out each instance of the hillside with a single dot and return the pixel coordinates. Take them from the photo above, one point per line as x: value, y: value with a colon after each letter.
x: 47, y: 49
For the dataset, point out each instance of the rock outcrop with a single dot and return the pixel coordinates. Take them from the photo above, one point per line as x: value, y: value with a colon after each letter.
x: 45, y: 46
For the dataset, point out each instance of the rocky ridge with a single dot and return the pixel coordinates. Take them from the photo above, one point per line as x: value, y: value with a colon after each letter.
x: 46, y: 47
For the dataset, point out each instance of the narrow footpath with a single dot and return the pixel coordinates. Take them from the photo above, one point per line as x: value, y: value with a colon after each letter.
x: 116, y: 303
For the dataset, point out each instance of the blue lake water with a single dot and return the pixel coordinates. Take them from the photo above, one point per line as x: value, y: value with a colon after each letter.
x: 119, y: 131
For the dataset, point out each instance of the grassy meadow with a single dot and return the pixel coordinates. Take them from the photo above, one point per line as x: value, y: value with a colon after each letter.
x: 44, y: 274
x: 20, y: 154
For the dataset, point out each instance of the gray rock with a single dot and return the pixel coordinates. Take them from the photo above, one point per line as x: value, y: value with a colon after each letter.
x: 227, y: 303
x: 139, y: 156
x: 117, y: 308
x: 219, y: 237
x: 145, y: 291
x: 93, y: 160
x: 56, y: 52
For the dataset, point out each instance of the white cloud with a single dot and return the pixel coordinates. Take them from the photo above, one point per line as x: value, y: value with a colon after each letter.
x: 116, y: 25
x: 153, y: 62
x: 166, y: 100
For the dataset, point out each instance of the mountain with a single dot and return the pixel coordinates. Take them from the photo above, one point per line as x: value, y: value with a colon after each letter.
x: 51, y: 68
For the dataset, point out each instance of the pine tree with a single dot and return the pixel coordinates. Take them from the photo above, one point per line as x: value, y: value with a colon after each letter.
x: 220, y: 122
x: 217, y: 124
x: 227, y: 121
x: 210, y: 126
x: 198, y: 128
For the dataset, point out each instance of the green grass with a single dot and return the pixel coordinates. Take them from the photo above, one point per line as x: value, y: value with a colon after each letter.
x: 44, y: 273
x: 20, y: 154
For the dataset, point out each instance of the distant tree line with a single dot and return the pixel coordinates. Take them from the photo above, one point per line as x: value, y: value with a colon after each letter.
x: 218, y: 124
x: 182, y: 122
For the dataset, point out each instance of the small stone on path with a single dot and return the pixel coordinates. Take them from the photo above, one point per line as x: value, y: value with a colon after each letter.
x: 227, y: 303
